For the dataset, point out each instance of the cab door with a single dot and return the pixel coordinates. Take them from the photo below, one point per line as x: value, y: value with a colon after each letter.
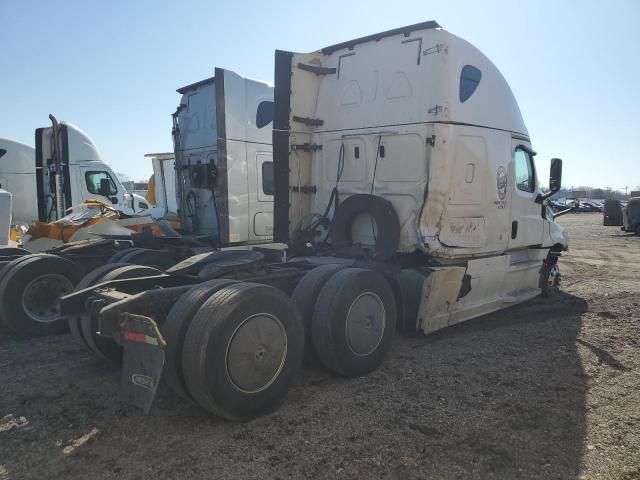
x: 262, y: 208
x: 100, y: 184
x: 527, y: 224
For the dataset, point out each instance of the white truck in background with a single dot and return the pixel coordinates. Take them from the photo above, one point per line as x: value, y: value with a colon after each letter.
x: 67, y: 154
x: 223, y: 158
x: 221, y: 185
x: 29, y: 175
x: 18, y: 176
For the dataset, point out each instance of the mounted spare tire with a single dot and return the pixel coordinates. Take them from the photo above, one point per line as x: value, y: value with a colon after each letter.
x: 30, y: 293
x: 354, y: 321
x: 242, y: 350
x: 384, y: 216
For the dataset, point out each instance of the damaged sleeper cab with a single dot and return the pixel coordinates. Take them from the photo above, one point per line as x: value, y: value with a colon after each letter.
x: 407, y: 198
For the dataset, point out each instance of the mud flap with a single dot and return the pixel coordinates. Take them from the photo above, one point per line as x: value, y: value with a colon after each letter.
x: 143, y: 359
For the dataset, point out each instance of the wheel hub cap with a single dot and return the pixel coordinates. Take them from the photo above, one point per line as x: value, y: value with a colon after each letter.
x: 365, y: 323
x: 41, y: 297
x: 256, y: 353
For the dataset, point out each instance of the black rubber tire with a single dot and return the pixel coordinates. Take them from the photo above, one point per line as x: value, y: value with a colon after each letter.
x: 91, y: 278
x: 13, y: 284
x: 6, y: 270
x: 211, y: 332
x: 383, y: 214
x: 305, y: 295
x: 228, y: 261
x: 149, y: 258
x: 115, y: 258
x: 13, y: 263
x: 192, y: 265
x: 131, y: 271
x: 329, y: 324
x: 13, y: 252
x: 174, y: 329
x: 102, y: 346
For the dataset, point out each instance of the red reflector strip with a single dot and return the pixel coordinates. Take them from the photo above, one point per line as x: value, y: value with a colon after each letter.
x: 140, y: 337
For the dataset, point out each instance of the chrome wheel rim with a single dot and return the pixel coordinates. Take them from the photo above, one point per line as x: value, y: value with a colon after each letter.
x: 256, y: 353
x: 365, y: 324
x: 41, y: 297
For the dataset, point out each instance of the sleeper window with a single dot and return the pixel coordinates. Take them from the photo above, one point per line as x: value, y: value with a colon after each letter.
x: 264, y: 115
x: 523, y: 171
x: 94, y: 179
x: 469, y: 80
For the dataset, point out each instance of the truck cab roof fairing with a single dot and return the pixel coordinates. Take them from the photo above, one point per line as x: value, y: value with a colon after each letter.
x: 378, y: 76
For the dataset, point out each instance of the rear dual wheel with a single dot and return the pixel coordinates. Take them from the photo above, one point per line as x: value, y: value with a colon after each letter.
x: 353, y: 322
x: 242, y: 350
x: 175, y: 327
x: 305, y: 296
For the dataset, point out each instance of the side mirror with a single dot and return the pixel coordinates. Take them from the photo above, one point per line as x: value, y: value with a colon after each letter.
x: 105, y: 187
x: 555, y: 180
x: 555, y: 175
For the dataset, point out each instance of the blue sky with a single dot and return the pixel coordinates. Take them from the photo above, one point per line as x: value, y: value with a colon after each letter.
x: 112, y: 67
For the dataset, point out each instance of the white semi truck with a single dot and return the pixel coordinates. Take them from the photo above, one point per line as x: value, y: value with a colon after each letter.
x: 219, y: 180
x: 407, y: 196
x: 29, y: 174
x: 223, y: 158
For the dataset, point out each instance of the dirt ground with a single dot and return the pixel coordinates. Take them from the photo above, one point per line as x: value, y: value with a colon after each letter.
x: 546, y: 389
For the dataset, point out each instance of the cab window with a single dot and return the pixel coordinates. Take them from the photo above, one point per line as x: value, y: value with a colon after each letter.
x: 267, y: 178
x: 525, y: 178
x: 94, y: 180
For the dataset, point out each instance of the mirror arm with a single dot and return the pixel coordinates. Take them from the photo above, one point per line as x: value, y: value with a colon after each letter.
x: 541, y: 197
x: 562, y: 212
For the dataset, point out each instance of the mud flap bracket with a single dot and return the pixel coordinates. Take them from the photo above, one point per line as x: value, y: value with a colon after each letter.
x: 143, y: 359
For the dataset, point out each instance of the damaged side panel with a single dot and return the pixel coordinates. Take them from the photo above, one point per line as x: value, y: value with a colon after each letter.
x: 453, y: 294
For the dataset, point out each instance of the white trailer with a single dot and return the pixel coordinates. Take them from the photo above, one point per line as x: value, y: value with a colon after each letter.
x: 406, y: 194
